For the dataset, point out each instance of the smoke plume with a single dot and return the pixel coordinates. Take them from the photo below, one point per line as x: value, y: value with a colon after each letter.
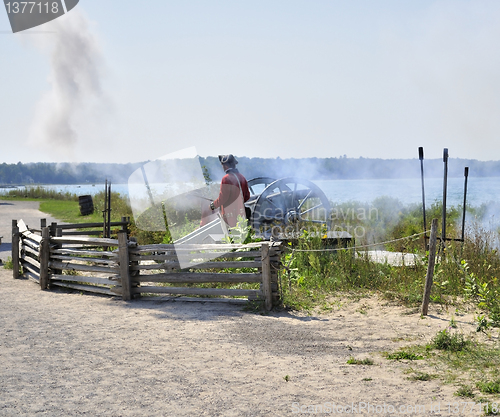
x: 75, y: 80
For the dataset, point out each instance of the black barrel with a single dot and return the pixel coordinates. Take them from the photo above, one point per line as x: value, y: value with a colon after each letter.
x: 86, y: 205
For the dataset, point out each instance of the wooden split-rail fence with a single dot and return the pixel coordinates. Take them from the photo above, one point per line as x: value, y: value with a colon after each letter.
x: 121, y: 267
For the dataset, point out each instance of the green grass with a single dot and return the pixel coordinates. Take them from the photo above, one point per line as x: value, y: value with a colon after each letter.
x: 450, y: 341
x: 457, y: 360
x: 465, y: 391
x: 354, y: 361
x: 404, y: 355
x: 8, y: 263
x: 36, y: 192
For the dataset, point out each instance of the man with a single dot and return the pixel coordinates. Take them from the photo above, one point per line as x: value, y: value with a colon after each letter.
x: 233, y: 192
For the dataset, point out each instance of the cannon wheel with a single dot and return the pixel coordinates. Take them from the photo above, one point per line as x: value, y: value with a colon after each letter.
x: 288, y: 205
x: 258, y: 181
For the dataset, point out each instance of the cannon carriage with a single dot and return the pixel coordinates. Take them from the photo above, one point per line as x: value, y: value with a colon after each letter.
x: 286, y: 207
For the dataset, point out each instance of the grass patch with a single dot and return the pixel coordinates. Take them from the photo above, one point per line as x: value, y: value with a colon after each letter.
x: 8, y: 263
x: 403, y: 355
x: 490, y: 387
x: 465, y: 391
x: 453, y: 342
x: 37, y: 192
x: 354, y: 361
x: 459, y: 361
x: 492, y: 409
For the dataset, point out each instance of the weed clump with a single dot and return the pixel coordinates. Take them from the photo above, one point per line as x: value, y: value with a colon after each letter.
x: 452, y: 342
x: 354, y: 361
x: 403, y: 355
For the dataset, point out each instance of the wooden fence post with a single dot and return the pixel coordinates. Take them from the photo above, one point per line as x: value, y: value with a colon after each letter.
x: 15, y: 249
x: 430, y: 267
x: 125, y: 226
x: 43, y: 223
x: 44, y: 258
x: 266, y: 276
x: 124, y: 266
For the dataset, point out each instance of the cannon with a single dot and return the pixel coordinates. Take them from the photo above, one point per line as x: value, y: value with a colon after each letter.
x: 278, y: 209
x: 287, y: 206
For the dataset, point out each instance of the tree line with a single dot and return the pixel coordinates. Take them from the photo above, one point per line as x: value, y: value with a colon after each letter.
x: 308, y: 168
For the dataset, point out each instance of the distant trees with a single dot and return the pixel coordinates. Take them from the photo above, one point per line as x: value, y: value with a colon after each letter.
x: 308, y: 168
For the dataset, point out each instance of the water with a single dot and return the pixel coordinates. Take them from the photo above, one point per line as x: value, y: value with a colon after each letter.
x: 408, y: 191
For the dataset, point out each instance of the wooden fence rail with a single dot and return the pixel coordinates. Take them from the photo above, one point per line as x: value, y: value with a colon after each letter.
x: 121, y: 267
x: 82, y: 229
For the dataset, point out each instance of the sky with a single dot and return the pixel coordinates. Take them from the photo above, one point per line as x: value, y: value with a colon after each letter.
x: 115, y: 81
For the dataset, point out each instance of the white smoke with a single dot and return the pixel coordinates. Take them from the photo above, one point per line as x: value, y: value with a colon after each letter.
x: 75, y: 80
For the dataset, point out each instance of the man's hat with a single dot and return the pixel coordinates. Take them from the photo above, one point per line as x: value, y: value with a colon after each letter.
x: 227, y: 159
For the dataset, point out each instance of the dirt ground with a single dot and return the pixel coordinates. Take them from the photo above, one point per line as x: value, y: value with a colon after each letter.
x: 71, y: 354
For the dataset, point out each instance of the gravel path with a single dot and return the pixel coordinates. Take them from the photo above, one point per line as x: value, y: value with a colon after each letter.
x: 18, y: 210
x: 67, y: 354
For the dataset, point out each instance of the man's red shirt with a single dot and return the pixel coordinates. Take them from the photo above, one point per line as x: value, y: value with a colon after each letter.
x: 229, y: 202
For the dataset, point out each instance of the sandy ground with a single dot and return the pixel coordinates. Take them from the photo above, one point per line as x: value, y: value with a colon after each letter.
x: 68, y: 354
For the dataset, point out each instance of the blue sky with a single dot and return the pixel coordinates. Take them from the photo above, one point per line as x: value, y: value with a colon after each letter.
x: 256, y: 78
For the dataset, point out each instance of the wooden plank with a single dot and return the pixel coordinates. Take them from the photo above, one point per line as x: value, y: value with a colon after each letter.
x: 84, y: 252
x: 22, y: 226
x: 30, y: 260
x: 83, y: 279
x: 173, y: 256
x: 266, y: 277
x: 79, y: 267
x: 31, y: 244
x: 201, y: 277
x: 87, y: 225
x: 88, y: 288
x: 84, y: 233
x: 85, y: 240
x: 29, y: 234
x: 192, y: 247
x: 201, y: 265
x: 195, y: 299
x: 30, y: 267
x: 194, y: 291
x: 83, y: 259
x: 33, y: 277
x: 27, y: 249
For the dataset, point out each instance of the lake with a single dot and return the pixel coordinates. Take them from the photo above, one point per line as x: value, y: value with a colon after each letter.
x: 408, y: 191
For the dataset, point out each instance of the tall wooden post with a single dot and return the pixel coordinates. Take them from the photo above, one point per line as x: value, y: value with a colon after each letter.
x: 125, y: 225
x: 15, y: 249
x: 266, y: 276
x: 430, y: 267
x: 421, y: 157
x: 124, y: 266
x: 44, y: 258
x: 466, y: 175
x: 43, y: 223
x: 445, y: 192
x: 53, y: 229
